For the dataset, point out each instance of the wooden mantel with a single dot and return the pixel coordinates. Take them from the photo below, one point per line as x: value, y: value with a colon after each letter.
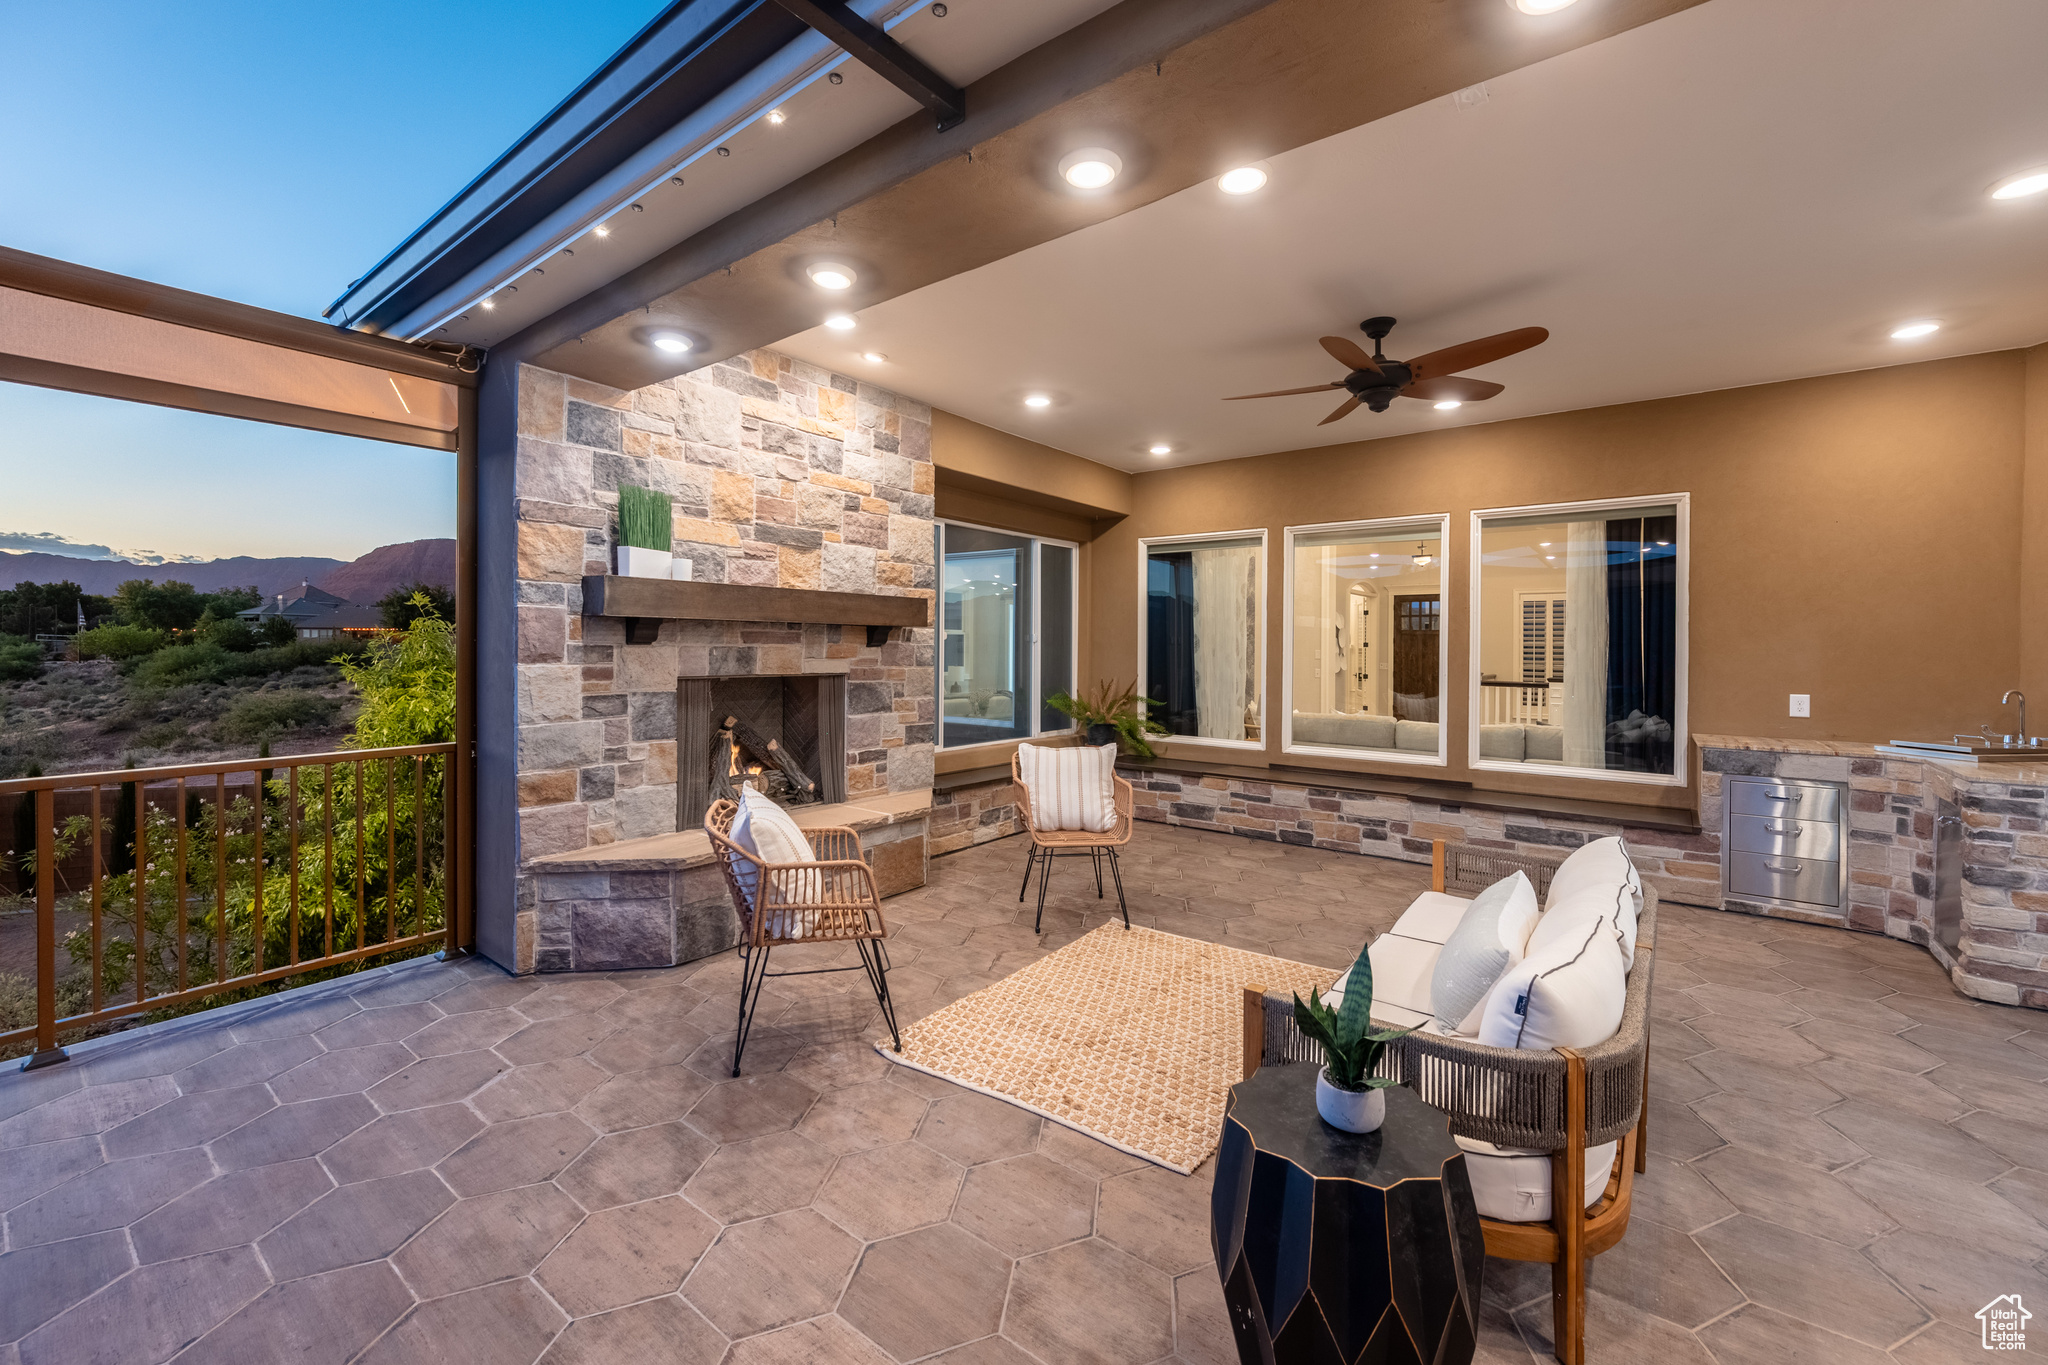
x: 644, y: 603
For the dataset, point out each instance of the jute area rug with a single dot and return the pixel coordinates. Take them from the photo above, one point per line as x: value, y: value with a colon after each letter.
x: 1132, y: 1036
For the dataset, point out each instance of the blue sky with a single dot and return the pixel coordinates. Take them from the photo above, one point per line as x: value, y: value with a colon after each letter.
x: 265, y: 153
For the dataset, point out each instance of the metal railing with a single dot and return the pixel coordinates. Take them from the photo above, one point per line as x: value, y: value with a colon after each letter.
x: 174, y: 884
x: 1514, y: 703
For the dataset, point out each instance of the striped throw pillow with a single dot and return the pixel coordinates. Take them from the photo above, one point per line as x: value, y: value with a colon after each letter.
x: 1070, y: 788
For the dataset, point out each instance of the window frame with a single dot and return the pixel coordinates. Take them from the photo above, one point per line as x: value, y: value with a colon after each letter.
x: 1374, y: 526
x: 939, y: 745
x: 1144, y: 595
x: 1681, y: 775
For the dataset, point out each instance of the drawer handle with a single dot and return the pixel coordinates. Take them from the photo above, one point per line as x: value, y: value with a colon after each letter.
x: 1773, y: 829
x: 1775, y: 868
x: 1781, y: 796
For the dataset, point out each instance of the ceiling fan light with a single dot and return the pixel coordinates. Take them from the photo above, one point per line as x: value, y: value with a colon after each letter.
x: 1913, y: 331
x: 1450, y: 403
x: 832, y: 275
x: 1243, y: 180
x: 1091, y: 168
x: 2022, y: 185
x: 1540, y: 6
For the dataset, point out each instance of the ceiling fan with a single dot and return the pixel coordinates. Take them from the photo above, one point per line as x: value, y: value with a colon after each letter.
x: 1377, y: 381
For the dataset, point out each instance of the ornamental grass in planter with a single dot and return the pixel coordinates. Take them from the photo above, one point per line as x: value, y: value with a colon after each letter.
x: 646, y: 526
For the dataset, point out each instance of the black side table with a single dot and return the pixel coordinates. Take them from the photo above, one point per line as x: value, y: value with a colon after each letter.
x: 1342, y: 1247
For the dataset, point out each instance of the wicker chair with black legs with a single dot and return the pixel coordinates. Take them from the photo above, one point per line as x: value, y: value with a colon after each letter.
x: 830, y: 900
x: 1048, y: 844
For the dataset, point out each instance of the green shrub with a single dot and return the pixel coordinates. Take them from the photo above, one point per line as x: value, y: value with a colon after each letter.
x: 408, y: 684
x: 262, y: 715
x: 232, y: 634
x: 120, y: 642
x: 179, y: 665
x: 400, y: 607
x: 20, y: 660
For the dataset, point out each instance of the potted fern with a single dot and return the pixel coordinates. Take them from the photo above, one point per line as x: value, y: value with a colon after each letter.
x: 1348, y: 1095
x: 646, y: 522
x: 1112, y: 714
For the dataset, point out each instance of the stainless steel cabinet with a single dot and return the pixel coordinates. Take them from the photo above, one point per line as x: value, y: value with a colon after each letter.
x: 1784, y: 840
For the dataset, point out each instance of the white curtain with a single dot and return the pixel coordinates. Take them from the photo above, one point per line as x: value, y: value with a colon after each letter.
x: 1225, y: 582
x: 1585, y: 645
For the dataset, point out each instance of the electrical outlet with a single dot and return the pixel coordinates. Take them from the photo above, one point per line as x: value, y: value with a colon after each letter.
x: 1802, y: 704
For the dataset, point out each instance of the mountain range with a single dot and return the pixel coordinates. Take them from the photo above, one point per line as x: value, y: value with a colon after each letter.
x: 361, y: 580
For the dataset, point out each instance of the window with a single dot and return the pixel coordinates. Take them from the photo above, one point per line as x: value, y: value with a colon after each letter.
x: 1366, y: 656
x: 1203, y: 646
x: 1579, y: 639
x: 1006, y: 637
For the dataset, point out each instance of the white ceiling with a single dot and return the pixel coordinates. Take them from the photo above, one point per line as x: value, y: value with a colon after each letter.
x: 1747, y: 191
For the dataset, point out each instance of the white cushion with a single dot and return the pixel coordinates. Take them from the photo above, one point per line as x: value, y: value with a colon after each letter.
x: 1401, y: 969
x: 1432, y: 917
x: 1488, y: 940
x: 1512, y: 1184
x: 767, y: 831
x: 1502, y: 742
x: 1568, y: 992
x: 1354, y: 731
x: 1603, y: 863
x: 1416, y: 735
x: 1070, y: 788
x: 1543, y: 743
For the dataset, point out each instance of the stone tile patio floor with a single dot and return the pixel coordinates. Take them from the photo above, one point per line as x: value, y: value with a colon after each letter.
x: 442, y: 1163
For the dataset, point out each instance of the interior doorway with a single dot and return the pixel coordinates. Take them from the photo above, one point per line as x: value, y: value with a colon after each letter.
x: 1418, y: 622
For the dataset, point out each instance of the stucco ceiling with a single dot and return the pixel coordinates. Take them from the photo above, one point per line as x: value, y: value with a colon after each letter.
x: 1742, y: 192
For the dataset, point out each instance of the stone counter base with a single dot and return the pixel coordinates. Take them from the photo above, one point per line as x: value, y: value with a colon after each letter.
x: 662, y: 901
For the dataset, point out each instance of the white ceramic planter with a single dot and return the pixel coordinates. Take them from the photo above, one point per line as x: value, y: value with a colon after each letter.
x: 634, y: 562
x: 680, y: 570
x: 1355, y: 1111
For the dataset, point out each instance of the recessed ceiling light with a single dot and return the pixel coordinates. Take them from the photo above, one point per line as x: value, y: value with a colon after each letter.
x: 603, y: 229
x: 1242, y: 180
x: 1091, y: 168
x: 1162, y: 450
x: 675, y: 343
x: 2021, y: 185
x: 1663, y: 542
x: 1913, y: 331
x: 490, y: 304
x: 839, y: 322
x: 1450, y: 403
x: 873, y: 357
x: 1550, y: 556
x: 1542, y: 544
x: 832, y: 275
x: 777, y: 116
x: 1539, y: 6
x: 1037, y: 400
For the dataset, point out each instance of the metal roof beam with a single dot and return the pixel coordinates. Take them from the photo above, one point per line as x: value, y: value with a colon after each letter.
x: 867, y: 44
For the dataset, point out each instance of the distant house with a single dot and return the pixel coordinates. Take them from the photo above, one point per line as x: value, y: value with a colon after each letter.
x: 318, y: 615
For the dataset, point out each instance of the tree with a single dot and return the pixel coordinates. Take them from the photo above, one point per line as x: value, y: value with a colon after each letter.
x: 399, y: 610
x: 407, y: 683
x: 27, y: 608
x: 20, y: 660
x: 173, y: 605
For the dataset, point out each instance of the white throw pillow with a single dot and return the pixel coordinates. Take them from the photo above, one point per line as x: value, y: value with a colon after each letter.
x: 766, y: 830
x: 1568, y: 992
x: 1566, y: 919
x: 1602, y: 863
x: 1488, y: 940
x: 1070, y: 788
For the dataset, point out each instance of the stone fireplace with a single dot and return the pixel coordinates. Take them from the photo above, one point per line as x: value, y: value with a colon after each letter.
x: 784, y: 477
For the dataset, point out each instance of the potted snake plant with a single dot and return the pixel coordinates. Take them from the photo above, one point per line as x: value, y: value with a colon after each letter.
x: 1348, y: 1095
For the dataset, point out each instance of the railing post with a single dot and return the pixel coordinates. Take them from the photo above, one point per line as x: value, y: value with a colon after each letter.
x: 47, y: 1052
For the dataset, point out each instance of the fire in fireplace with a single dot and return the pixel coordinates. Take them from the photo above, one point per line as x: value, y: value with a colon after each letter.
x: 784, y: 733
x: 742, y: 754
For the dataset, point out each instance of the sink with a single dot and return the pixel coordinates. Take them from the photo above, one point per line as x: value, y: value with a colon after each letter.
x: 1974, y: 748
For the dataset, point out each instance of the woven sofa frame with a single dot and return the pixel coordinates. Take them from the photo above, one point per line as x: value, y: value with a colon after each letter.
x: 1561, y: 1101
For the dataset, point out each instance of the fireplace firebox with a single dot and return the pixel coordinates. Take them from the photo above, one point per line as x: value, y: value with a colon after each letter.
x: 786, y: 734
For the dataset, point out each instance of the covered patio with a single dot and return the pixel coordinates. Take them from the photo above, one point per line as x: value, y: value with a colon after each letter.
x: 439, y: 1162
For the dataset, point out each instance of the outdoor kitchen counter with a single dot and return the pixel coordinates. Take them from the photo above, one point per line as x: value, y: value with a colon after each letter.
x: 1992, y: 939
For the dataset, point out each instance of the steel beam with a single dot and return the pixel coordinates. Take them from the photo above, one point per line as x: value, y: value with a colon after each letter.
x: 873, y: 48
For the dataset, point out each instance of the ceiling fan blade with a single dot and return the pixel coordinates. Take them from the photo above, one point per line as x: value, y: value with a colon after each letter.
x: 1471, y: 354
x: 1285, y: 393
x: 1453, y: 388
x: 1350, y: 354
x: 1344, y: 410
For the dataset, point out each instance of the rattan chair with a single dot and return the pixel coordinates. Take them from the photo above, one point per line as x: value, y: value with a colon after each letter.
x: 1561, y: 1101
x: 1048, y: 844
x: 831, y: 900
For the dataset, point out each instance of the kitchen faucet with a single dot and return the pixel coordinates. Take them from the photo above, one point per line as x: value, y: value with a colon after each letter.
x: 2007, y: 699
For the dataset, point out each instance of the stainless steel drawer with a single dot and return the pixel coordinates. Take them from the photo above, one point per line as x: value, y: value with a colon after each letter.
x: 1785, y: 837
x: 1748, y: 797
x: 1806, y: 880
